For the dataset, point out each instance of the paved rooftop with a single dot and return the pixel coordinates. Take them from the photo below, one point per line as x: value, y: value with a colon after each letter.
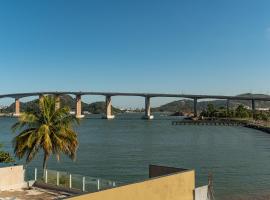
x: 33, y: 194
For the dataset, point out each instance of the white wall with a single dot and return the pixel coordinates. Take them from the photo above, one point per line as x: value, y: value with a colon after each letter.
x: 201, y: 193
x: 12, y: 178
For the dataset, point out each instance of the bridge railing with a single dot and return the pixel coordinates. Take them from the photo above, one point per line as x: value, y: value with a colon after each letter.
x: 73, y: 181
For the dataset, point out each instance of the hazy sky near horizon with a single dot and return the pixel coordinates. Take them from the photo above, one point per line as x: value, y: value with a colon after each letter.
x: 187, y: 46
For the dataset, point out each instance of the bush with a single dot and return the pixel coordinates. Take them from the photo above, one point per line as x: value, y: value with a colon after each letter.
x: 5, y: 157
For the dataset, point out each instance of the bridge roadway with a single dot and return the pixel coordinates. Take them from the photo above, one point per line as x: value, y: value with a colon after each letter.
x: 108, y: 95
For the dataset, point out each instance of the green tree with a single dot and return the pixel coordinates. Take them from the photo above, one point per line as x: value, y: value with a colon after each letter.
x: 242, y: 112
x: 262, y: 115
x: 5, y: 157
x: 211, y: 109
x: 203, y: 113
x: 47, y: 129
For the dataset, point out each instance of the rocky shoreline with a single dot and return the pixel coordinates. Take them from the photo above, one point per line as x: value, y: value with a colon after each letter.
x: 257, y: 125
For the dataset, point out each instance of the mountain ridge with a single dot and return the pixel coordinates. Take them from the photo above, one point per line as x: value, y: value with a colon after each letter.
x: 186, y: 105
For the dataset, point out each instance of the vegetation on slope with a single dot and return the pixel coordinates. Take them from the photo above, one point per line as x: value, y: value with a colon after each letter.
x: 186, y: 105
x: 240, y: 112
x: 65, y: 100
x: 100, y: 107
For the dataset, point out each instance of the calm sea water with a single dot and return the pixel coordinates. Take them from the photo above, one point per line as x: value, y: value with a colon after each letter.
x: 122, y: 149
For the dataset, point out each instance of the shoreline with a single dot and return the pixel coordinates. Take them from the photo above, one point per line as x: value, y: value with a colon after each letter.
x: 257, y: 125
x: 248, y: 123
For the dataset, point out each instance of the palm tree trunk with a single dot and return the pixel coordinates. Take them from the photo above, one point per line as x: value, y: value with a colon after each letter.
x: 45, y: 160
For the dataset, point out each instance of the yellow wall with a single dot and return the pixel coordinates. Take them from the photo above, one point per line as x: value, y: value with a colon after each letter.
x: 178, y: 186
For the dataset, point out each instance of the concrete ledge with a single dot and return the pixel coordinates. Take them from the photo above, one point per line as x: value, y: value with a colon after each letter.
x: 48, y: 186
x: 14, y: 187
x: 80, y: 116
x: 108, y: 117
x: 148, y: 117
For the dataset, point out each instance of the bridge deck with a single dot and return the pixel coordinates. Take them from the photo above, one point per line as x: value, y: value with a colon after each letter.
x: 188, y: 96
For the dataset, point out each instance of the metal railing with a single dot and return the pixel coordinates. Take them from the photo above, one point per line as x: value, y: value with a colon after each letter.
x: 73, y: 181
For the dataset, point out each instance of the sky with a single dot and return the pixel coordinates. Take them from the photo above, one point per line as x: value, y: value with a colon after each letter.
x: 169, y: 46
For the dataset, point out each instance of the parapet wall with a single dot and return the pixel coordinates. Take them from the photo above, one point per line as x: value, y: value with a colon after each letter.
x: 11, y: 178
x: 178, y: 186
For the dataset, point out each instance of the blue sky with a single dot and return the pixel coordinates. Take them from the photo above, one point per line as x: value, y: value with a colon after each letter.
x: 203, y: 46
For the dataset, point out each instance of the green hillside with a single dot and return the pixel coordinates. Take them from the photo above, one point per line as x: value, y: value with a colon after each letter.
x: 99, y: 107
x: 65, y: 100
x: 186, y: 105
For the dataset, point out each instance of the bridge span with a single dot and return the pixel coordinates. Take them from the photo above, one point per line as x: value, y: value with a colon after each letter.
x: 108, y: 99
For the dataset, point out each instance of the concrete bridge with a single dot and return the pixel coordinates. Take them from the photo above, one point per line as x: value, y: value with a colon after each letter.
x: 108, y: 99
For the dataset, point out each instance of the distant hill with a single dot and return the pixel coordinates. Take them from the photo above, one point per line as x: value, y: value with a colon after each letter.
x: 99, y: 107
x: 181, y: 105
x: 65, y: 100
x: 186, y: 105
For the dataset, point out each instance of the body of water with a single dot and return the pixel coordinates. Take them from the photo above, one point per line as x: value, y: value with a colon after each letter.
x: 122, y: 149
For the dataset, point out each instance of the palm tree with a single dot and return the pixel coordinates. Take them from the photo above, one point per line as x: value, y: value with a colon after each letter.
x: 47, y: 129
x: 5, y: 157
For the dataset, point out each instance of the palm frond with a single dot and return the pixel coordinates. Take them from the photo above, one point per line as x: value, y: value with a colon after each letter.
x: 48, y: 129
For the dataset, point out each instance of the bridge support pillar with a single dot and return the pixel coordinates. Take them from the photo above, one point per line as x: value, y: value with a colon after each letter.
x: 147, y: 111
x: 253, y: 108
x: 109, y: 108
x: 195, y: 101
x: 57, y: 102
x: 79, y: 107
x: 17, y: 107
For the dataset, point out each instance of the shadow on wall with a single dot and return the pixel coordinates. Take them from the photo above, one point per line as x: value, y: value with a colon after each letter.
x: 165, y: 183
